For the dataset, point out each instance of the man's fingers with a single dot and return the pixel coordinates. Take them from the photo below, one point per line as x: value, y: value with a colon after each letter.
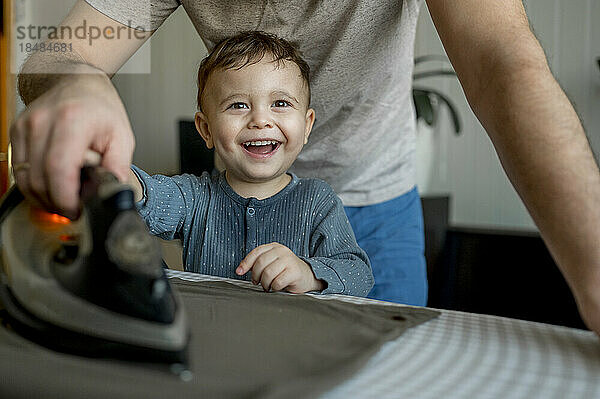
x: 67, y: 149
x: 117, y: 155
x: 36, y: 129
x: 117, y: 159
x: 46, y: 159
x: 51, y: 137
x: 19, y: 159
x: 248, y: 262
x: 92, y: 158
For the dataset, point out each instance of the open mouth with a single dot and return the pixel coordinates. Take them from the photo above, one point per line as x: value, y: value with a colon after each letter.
x: 261, y: 148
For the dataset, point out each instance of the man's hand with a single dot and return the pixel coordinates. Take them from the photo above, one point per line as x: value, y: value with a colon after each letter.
x: 73, y: 109
x: 276, y: 268
x: 51, y: 137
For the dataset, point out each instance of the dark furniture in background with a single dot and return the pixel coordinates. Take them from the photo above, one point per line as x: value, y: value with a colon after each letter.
x: 491, y: 271
x: 494, y: 272
x: 194, y: 157
x: 501, y: 273
x: 435, y: 220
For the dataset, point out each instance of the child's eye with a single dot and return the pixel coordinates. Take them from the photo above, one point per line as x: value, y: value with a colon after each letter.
x: 281, y: 103
x: 238, y: 106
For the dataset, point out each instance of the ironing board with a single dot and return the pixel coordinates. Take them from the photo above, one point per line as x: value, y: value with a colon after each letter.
x: 464, y: 355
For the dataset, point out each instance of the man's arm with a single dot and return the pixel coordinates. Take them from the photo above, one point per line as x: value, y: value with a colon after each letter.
x: 73, y: 107
x: 535, y: 130
x: 102, y: 55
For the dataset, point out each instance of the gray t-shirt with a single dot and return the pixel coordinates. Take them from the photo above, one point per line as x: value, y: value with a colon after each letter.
x: 361, y: 58
x: 218, y: 227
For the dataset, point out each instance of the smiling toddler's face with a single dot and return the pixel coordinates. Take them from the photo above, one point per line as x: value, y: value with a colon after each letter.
x: 256, y: 117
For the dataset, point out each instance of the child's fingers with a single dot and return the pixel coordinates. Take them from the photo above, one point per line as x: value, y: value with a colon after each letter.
x: 270, y: 273
x: 248, y: 262
x: 283, y: 280
x: 262, y: 262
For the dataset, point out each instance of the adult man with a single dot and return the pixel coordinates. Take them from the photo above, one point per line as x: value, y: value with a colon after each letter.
x: 361, y: 56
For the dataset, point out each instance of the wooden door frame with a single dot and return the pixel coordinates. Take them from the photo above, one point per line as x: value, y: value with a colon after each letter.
x: 7, y: 89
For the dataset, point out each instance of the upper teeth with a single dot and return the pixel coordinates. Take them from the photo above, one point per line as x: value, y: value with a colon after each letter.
x: 249, y: 143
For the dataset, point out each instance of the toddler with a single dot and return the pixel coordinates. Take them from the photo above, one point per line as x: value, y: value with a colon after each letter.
x: 254, y: 220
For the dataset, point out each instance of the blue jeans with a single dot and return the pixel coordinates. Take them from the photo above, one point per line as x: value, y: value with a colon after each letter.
x: 391, y: 233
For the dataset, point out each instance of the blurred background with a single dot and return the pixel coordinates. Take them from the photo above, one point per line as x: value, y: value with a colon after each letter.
x: 483, y: 250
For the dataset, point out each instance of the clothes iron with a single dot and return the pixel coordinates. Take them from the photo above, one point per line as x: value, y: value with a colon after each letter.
x: 93, y: 287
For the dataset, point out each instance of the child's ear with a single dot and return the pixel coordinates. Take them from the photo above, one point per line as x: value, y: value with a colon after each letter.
x: 310, y: 120
x: 203, y: 129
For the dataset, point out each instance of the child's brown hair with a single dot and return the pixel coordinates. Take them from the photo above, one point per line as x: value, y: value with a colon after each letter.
x: 249, y: 48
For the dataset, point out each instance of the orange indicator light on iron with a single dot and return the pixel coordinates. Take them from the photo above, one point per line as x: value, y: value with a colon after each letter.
x: 67, y: 238
x: 41, y: 217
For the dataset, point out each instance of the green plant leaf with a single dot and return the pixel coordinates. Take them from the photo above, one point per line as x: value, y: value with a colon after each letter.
x: 431, y: 57
x: 423, y: 106
x: 422, y: 97
x: 436, y: 72
x: 419, y: 94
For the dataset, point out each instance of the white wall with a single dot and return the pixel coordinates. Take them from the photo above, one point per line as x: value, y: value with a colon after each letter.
x: 37, y: 13
x: 469, y: 169
x: 157, y: 100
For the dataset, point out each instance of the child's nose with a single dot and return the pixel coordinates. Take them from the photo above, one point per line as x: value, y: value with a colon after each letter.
x: 260, y: 120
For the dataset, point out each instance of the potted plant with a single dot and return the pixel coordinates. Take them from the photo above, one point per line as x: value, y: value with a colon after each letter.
x: 428, y: 103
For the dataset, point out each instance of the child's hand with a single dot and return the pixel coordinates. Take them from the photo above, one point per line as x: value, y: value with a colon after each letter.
x: 276, y: 268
